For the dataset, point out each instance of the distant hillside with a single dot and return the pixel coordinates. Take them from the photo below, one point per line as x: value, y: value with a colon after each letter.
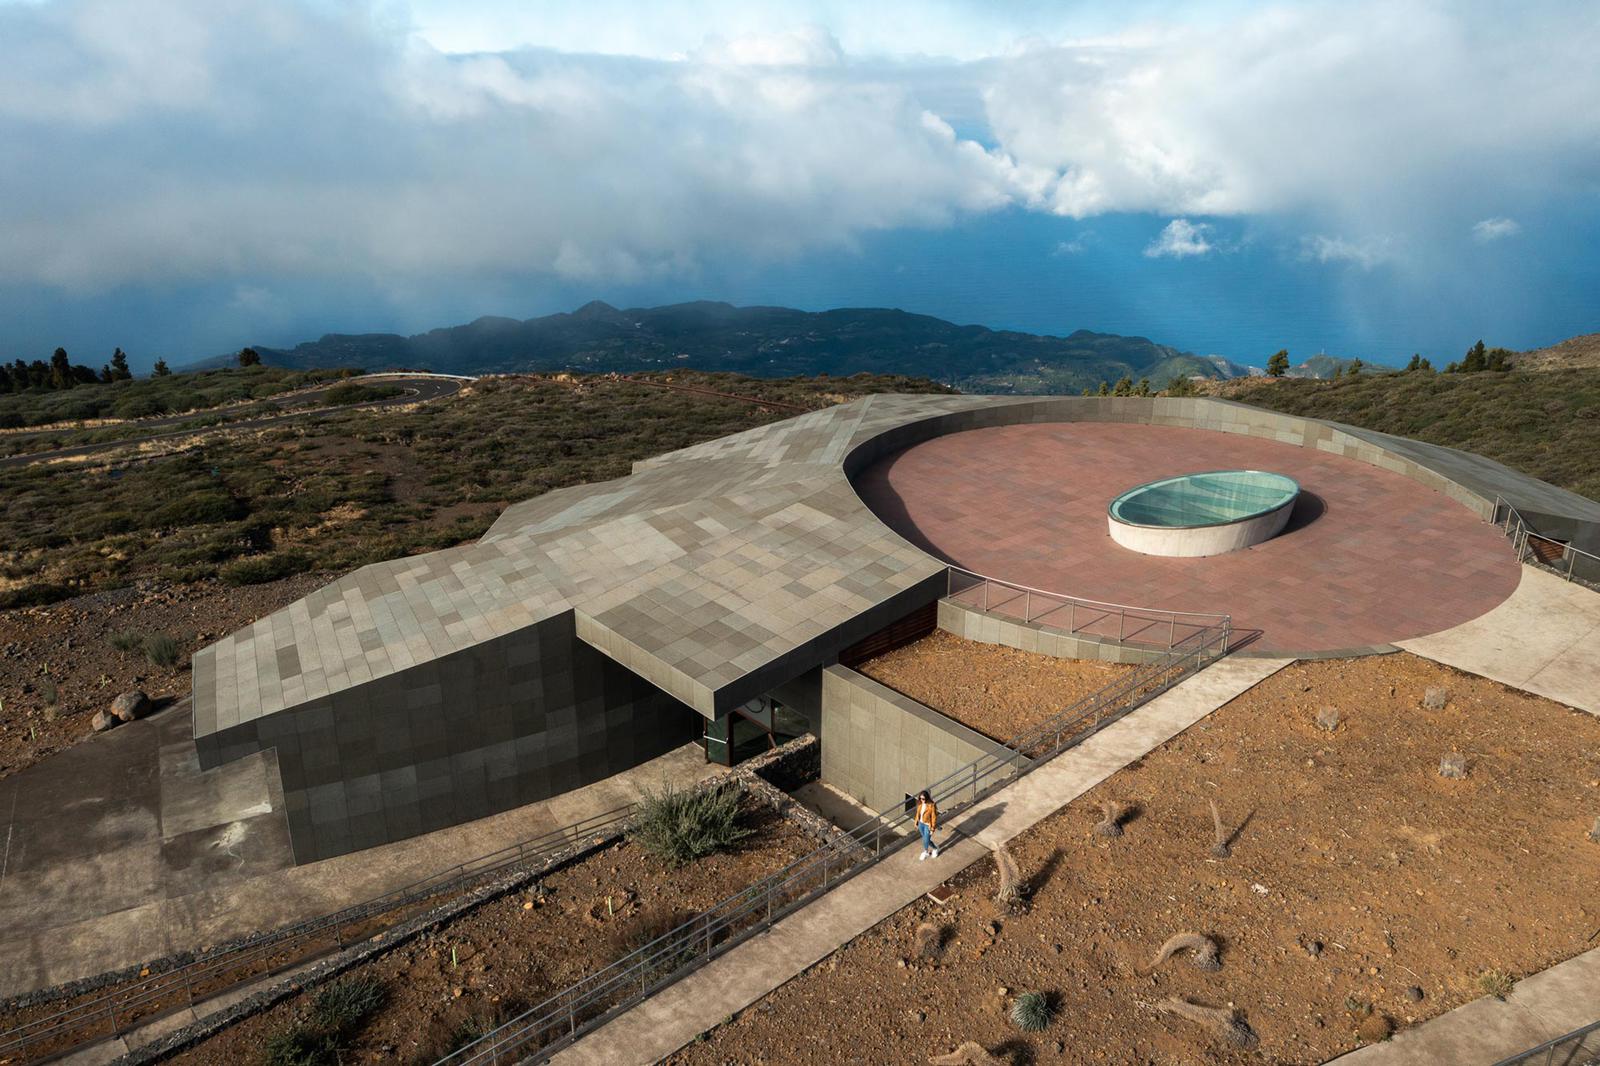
x: 1321, y: 367
x: 764, y: 342
x: 1546, y: 424
x: 1572, y: 353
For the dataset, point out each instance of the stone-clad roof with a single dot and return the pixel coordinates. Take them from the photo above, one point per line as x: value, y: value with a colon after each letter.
x: 701, y: 567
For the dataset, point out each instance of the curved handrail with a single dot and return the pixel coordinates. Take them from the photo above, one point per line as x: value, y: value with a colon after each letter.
x: 1084, y: 601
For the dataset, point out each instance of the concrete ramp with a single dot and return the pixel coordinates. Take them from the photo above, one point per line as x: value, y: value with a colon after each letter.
x: 1544, y: 639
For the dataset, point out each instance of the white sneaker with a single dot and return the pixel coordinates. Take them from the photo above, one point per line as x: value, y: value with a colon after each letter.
x: 935, y: 853
x: 923, y: 857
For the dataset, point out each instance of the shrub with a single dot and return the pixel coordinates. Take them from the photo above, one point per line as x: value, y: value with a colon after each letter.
x: 1497, y: 984
x: 679, y: 827
x: 197, y: 508
x: 259, y: 569
x: 161, y: 650
x: 349, y: 393
x: 299, y: 1045
x: 340, y: 1008
x: 127, y: 640
x: 1033, y: 1012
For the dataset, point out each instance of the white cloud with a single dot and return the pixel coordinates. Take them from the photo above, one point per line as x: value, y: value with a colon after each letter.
x: 235, y: 141
x: 1073, y: 246
x: 1367, y: 253
x: 1495, y: 229
x: 1181, y: 239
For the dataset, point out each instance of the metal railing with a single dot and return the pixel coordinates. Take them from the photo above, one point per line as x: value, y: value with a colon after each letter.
x: 122, y: 1008
x: 1523, y: 541
x: 1143, y: 626
x: 575, y: 1010
x: 1581, y: 1047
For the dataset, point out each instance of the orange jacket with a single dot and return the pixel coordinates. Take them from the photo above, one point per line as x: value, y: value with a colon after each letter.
x: 927, y: 813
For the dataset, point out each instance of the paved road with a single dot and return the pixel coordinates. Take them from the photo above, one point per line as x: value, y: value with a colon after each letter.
x: 418, y: 389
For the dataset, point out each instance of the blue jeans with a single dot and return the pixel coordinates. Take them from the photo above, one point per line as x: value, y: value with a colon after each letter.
x: 927, y: 836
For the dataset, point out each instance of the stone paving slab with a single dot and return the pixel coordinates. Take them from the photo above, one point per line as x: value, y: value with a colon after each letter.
x: 1370, y: 556
x: 1544, y: 639
x: 1549, y: 1004
x: 670, y: 1019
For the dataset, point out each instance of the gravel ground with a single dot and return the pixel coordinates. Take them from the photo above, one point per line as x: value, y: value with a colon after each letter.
x: 1363, y: 889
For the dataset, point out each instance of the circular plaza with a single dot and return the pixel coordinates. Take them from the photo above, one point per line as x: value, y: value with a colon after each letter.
x: 1366, y: 557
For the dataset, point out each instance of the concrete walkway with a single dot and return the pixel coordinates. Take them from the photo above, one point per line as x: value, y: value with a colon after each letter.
x: 1542, y: 1007
x: 670, y: 1019
x: 1544, y: 638
x: 121, y: 849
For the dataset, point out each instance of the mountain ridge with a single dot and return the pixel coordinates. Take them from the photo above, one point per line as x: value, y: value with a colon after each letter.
x: 762, y: 341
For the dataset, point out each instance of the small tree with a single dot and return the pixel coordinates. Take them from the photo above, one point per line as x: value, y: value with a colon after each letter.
x: 249, y: 357
x: 1426, y: 365
x: 119, y: 366
x: 160, y: 369
x: 1355, y: 367
x: 61, y: 370
x: 1105, y: 389
x: 1124, y: 386
x: 1416, y: 362
x: 1144, y: 387
x: 106, y: 377
x: 1278, y: 365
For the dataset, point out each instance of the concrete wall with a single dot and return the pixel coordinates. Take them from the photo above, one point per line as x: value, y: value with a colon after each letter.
x: 506, y: 722
x: 878, y: 745
x: 973, y: 624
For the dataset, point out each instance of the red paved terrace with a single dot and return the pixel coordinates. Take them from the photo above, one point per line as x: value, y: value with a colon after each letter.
x: 1369, y: 557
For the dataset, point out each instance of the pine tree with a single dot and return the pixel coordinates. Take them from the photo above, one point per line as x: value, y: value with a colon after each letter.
x: 160, y: 369
x: 1355, y: 367
x: 106, y: 376
x: 60, y: 370
x: 1144, y: 387
x: 1416, y: 362
x: 1426, y: 366
x: 1278, y: 365
x: 249, y: 357
x: 1124, y: 386
x: 119, y: 367
x: 1105, y: 389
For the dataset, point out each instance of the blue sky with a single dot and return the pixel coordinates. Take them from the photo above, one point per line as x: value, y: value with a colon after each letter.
x: 1363, y: 178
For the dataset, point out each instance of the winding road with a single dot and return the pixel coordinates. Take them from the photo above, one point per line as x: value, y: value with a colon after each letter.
x: 419, y: 388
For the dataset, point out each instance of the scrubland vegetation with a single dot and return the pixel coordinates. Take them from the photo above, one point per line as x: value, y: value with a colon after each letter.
x: 354, y: 487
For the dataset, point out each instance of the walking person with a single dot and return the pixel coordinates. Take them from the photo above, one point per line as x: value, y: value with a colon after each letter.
x: 927, y: 822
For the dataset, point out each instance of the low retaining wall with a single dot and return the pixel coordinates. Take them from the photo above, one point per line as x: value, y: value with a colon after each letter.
x: 973, y: 624
x: 879, y: 745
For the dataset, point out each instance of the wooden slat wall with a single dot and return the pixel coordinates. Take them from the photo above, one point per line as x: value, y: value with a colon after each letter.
x: 914, y: 626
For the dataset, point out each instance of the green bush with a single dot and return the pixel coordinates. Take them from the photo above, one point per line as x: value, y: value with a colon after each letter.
x: 259, y: 569
x: 340, y: 1008
x: 299, y: 1045
x: 679, y: 827
x: 127, y: 640
x: 1033, y: 1012
x: 197, y: 508
x: 337, y: 1013
x: 161, y: 650
x: 349, y: 393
